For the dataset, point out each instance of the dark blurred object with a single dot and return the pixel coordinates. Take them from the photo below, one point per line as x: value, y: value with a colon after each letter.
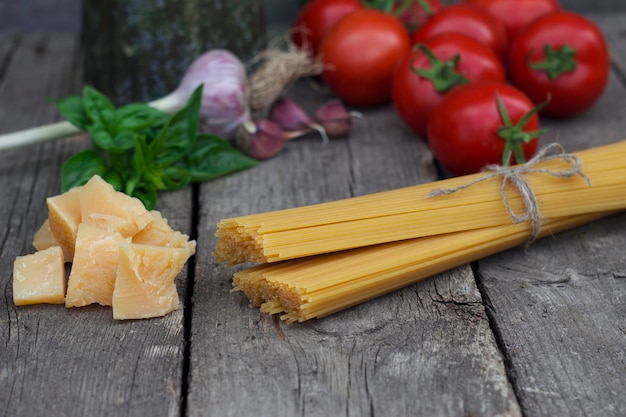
x: 65, y: 15
x: 138, y: 50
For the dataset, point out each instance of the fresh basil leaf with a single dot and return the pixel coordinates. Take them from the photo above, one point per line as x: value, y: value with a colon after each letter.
x: 179, y: 134
x: 142, y: 157
x: 125, y: 140
x: 112, y: 142
x: 99, y: 109
x: 139, y: 116
x: 100, y: 136
x: 72, y: 109
x: 175, y: 178
x: 141, y: 165
x: 212, y: 157
x: 146, y: 194
x: 114, y: 178
x: 141, y: 150
x: 79, y: 168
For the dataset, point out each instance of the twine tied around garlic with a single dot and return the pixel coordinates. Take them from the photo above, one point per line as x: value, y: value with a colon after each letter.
x: 514, y: 175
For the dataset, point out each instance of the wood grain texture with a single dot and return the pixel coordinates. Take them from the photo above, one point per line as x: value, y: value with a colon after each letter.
x: 560, y: 307
x: 57, y: 361
x: 543, y: 333
x: 424, y: 350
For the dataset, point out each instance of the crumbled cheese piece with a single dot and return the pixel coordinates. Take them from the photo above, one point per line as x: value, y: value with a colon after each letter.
x: 160, y: 233
x: 64, y: 218
x: 145, y: 281
x: 102, y: 206
x: 94, y: 269
x: 39, y: 277
x: 44, y: 239
x: 122, y: 255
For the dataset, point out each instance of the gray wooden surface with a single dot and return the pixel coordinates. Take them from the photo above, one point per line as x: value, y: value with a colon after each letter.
x: 537, y: 332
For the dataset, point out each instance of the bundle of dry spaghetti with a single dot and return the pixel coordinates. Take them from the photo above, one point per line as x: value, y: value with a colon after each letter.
x: 348, y: 251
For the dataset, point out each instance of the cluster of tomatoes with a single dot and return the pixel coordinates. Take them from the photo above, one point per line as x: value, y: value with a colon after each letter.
x: 471, y: 77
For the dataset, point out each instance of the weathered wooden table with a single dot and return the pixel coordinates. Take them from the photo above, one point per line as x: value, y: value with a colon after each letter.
x: 536, y: 332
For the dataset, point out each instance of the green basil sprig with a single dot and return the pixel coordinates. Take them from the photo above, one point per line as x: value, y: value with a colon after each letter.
x: 141, y: 150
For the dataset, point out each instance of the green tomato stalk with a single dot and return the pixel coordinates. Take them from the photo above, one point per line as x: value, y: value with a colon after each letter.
x: 442, y: 74
x: 557, y: 61
x: 514, y: 135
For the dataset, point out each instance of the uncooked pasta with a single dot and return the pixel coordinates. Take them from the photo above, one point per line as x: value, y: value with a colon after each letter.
x: 410, y: 212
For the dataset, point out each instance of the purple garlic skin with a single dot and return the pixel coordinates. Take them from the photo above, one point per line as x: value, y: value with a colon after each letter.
x: 292, y: 118
x: 260, y: 139
x: 335, y: 118
x: 289, y: 115
x: 225, y: 98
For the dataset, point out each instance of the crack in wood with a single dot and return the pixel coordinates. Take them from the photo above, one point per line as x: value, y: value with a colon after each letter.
x: 490, y: 311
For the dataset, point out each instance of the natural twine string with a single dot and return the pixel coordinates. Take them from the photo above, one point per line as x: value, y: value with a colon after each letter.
x: 278, y: 68
x: 515, y: 176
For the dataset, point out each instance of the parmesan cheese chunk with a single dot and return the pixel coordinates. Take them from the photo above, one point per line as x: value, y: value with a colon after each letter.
x: 94, y: 269
x: 64, y: 217
x: 160, y: 233
x: 39, y: 277
x: 122, y: 255
x: 145, y: 281
x: 44, y: 239
x: 102, y: 206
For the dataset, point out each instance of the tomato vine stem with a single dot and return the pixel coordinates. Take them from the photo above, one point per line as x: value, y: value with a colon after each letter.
x: 442, y: 74
x: 556, y: 62
x: 514, y: 135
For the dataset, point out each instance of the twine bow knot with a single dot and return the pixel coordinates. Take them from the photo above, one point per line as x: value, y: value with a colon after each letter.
x: 515, y: 176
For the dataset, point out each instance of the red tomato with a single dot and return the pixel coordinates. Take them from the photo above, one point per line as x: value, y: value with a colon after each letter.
x: 578, y: 51
x: 469, y: 20
x: 416, y: 13
x: 457, y: 57
x: 515, y: 14
x: 315, y: 19
x: 464, y: 132
x: 360, y: 54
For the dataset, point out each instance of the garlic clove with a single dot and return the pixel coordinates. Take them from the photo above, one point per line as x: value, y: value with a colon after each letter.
x: 225, y: 96
x: 292, y: 118
x: 335, y: 118
x: 260, y: 139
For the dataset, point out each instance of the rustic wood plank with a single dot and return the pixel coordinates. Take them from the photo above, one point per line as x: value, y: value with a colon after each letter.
x: 57, y: 361
x: 424, y: 350
x: 559, y: 307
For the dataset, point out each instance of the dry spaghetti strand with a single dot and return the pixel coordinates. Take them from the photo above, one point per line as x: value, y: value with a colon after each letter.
x: 315, y: 287
x: 408, y: 213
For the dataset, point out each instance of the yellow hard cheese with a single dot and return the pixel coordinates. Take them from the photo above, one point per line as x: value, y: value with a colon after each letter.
x: 122, y: 255
x: 159, y: 233
x: 145, y: 281
x: 64, y: 218
x: 102, y: 206
x: 44, y: 239
x: 39, y: 277
x: 94, y: 269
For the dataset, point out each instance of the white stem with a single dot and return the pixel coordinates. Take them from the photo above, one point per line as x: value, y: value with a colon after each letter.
x: 37, y: 134
x: 170, y: 104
